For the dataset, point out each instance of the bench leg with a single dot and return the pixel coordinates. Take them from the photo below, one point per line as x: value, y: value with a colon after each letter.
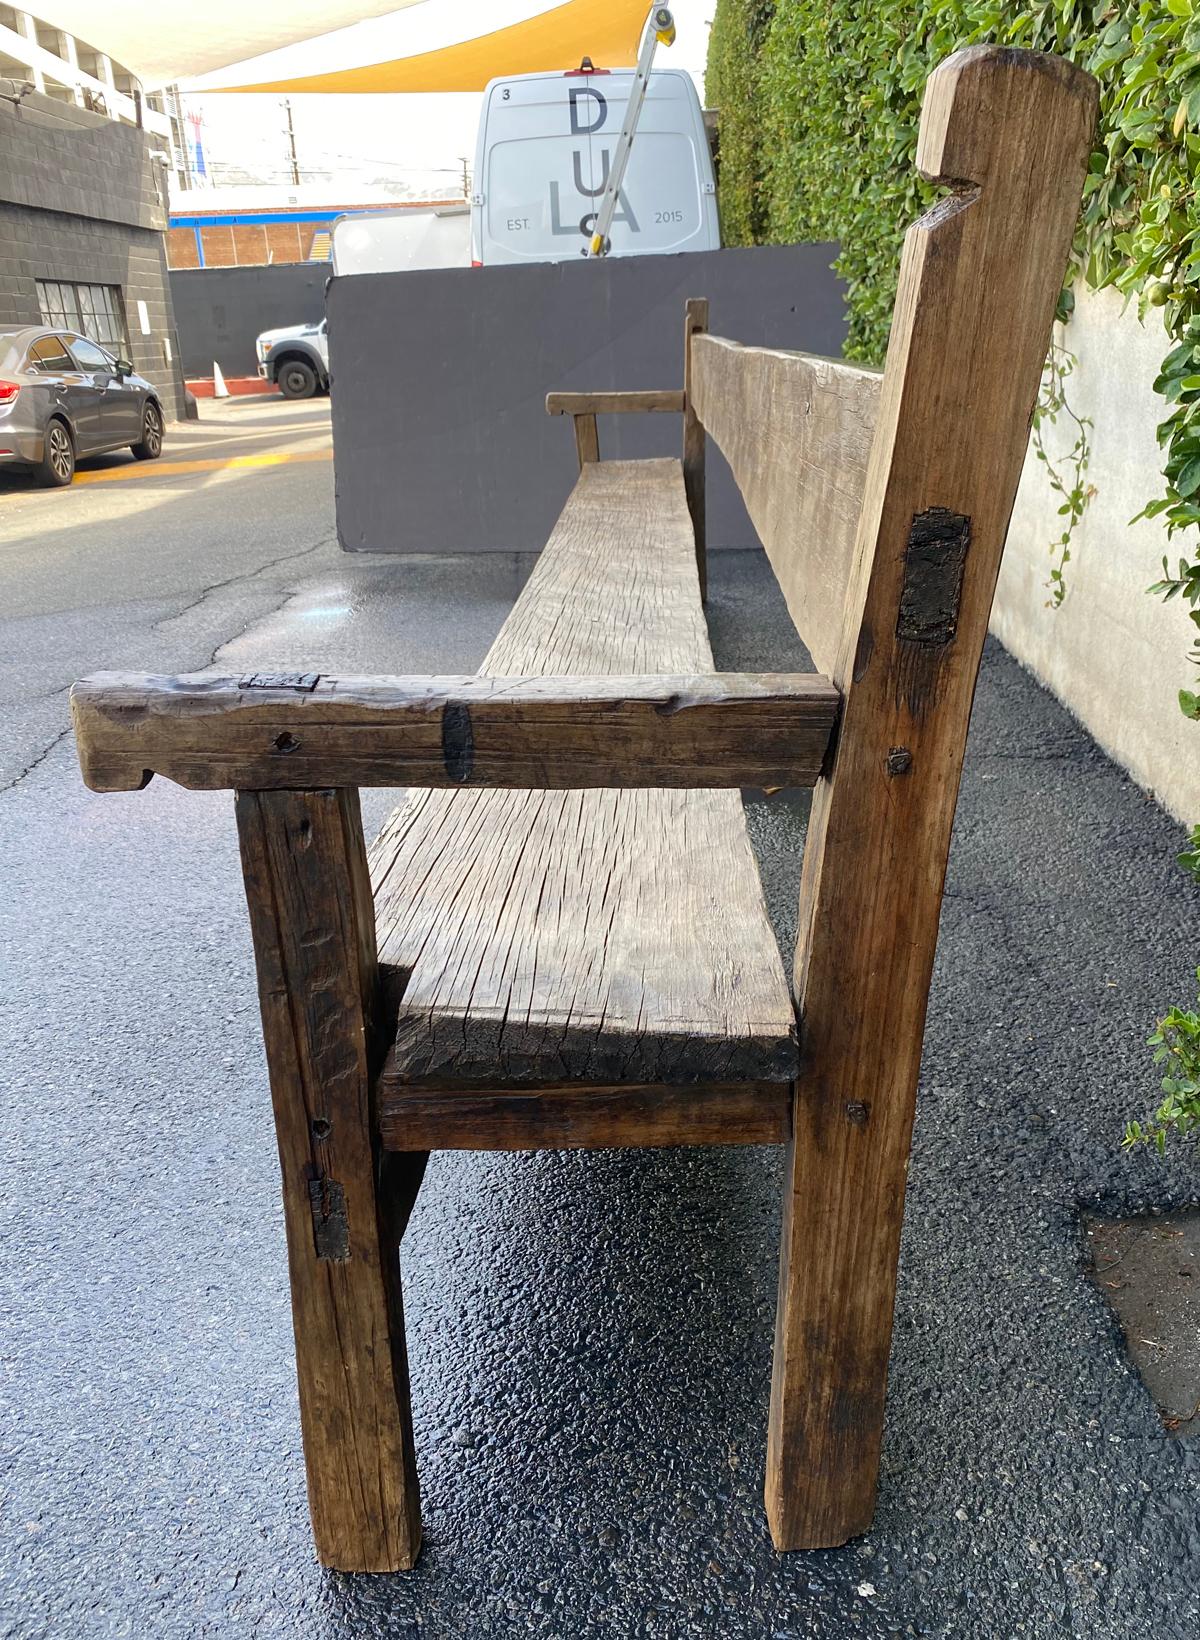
x: 842, y: 1214
x: 344, y: 1202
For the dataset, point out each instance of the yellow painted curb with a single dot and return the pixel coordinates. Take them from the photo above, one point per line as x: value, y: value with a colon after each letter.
x: 214, y: 464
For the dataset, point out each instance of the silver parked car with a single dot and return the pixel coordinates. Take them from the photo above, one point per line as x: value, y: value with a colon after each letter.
x: 62, y: 396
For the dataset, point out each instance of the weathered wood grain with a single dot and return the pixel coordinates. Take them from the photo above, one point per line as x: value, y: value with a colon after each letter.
x: 695, y: 323
x: 207, y: 733
x: 605, y: 937
x: 575, y: 1118
x: 1009, y: 132
x: 310, y: 913
x: 607, y: 404
x: 796, y: 432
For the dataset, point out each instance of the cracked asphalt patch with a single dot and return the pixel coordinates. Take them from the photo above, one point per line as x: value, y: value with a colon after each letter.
x: 590, y: 1335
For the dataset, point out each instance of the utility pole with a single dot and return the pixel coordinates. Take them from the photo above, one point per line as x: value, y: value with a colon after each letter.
x: 179, y: 142
x: 291, y: 136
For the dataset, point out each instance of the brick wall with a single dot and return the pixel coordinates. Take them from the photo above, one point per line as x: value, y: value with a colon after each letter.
x: 182, y: 250
x: 248, y: 244
x: 79, y: 200
x: 289, y: 241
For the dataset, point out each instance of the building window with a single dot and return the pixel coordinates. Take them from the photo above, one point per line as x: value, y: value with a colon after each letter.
x: 93, y: 310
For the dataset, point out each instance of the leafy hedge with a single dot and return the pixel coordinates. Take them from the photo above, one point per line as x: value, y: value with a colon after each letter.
x: 819, y: 103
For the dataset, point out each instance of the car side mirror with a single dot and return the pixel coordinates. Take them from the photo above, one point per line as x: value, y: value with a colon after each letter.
x: 124, y: 368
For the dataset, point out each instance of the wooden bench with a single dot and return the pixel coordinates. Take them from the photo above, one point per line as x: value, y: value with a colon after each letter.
x: 560, y: 938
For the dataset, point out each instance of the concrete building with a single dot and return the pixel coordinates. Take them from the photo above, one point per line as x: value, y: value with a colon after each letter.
x: 66, y: 69
x: 83, y: 201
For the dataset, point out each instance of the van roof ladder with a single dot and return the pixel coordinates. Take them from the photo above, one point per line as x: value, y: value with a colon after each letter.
x: 660, y: 28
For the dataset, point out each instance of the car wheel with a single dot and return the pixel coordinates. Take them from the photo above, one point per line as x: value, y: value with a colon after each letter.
x: 57, y: 466
x: 150, y: 446
x: 297, y: 380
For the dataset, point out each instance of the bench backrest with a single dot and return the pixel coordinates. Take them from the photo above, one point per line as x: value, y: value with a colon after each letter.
x: 883, y: 500
x: 979, y: 278
x: 898, y: 620
x: 796, y: 432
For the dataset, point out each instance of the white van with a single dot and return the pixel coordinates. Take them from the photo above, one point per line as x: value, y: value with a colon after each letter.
x: 545, y: 146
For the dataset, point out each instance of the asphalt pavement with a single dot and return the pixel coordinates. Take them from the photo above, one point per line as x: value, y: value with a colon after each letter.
x: 589, y: 1334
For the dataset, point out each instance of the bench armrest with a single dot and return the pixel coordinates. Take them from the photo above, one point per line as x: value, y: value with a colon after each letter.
x: 303, y: 731
x: 606, y: 404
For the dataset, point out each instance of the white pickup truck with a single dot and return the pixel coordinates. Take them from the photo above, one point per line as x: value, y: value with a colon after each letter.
x: 296, y: 359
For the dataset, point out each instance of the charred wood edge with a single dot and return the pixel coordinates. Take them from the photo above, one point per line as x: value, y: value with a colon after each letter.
x: 129, y: 727
x: 458, y: 740
x: 331, y: 1227
x: 934, y: 562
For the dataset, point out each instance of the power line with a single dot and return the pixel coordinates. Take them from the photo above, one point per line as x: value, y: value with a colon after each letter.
x: 315, y: 170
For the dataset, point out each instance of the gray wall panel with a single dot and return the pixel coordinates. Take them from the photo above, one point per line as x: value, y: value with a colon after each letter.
x: 441, y: 438
x: 220, y: 311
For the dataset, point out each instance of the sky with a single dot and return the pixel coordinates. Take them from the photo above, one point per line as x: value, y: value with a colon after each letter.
x: 412, y: 145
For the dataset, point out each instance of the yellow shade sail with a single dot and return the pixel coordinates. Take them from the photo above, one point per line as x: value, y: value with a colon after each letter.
x: 607, y: 31
x: 178, y: 39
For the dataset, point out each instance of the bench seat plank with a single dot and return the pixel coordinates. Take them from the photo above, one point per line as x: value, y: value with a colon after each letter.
x: 595, y: 936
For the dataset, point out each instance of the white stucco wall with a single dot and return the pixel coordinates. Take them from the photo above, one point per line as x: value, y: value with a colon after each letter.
x: 1113, y: 655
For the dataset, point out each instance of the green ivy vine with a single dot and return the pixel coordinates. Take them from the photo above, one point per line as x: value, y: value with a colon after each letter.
x: 819, y: 104
x: 1067, y: 474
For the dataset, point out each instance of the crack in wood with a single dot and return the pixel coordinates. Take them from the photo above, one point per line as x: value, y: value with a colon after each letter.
x: 303, y: 683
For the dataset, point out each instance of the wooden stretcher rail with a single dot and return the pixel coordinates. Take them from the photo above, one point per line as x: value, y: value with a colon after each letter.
x: 307, y: 732
x: 583, y: 1118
